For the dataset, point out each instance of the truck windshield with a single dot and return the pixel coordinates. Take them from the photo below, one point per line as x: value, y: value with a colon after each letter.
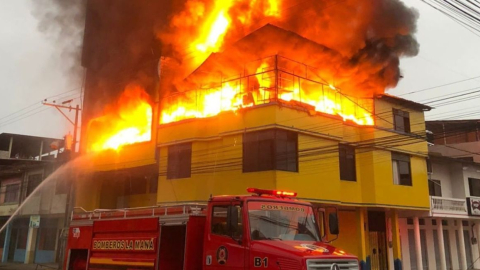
x: 282, y: 221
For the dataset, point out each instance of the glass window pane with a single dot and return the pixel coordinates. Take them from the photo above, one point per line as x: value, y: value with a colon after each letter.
x: 474, y: 185
x: 404, y: 171
x: 399, y: 123
x: 219, y: 220
x: 265, y: 155
x: 281, y: 134
x: 347, y: 162
x: 33, y: 181
x: 272, y: 149
x: 406, y: 124
x: 396, y: 177
x: 179, y: 161
x: 12, y: 193
x: 250, y: 156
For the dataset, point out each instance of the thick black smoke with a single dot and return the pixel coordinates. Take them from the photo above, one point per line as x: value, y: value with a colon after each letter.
x: 371, y: 35
x: 113, y: 39
x: 368, y: 36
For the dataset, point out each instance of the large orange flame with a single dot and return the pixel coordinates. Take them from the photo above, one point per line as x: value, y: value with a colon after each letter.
x: 128, y: 122
x: 213, y: 30
x: 211, y: 103
x: 271, y: 86
x: 202, y: 26
x: 363, y: 40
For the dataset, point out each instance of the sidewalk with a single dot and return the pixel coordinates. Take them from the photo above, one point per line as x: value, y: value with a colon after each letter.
x: 21, y: 266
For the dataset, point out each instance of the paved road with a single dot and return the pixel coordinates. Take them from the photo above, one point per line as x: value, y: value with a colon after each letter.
x: 20, y: 266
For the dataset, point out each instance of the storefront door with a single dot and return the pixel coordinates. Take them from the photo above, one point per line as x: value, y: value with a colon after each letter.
x: 377, y: 240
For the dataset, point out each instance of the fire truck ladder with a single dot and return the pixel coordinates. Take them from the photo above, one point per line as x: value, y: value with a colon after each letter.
x: 163, y: 211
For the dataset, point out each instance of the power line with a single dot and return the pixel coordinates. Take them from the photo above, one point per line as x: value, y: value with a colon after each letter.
x: 438, y: 86
x: 465, y: 16
x: 29, y: 113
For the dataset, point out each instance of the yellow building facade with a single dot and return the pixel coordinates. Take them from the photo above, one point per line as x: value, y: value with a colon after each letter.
x: 372, y: 172
x: 208, y: 157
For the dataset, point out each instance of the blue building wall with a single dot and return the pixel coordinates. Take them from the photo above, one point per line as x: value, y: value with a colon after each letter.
x: 19, y: 255
x: 44, y: 256
x: 6, y: 244
x: 21, y: 227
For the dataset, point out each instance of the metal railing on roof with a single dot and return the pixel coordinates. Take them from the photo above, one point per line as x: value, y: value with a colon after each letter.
x: 80, y: 213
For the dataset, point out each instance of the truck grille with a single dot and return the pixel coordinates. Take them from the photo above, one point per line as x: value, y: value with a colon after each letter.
x: 326, y: 264
x: 288, y: 264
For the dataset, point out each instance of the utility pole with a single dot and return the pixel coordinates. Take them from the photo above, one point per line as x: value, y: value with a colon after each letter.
x: 71, y: 188
x: 74, y: 123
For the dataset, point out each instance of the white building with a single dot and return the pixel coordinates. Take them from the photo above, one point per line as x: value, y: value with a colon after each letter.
x: 448, y: 236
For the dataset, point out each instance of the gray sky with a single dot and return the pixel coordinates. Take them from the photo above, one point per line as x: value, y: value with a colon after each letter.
x: 448, y: 53
x: 30, y: 69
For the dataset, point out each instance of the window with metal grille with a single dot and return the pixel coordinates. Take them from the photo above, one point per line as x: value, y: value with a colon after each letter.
x: 272, y: 149
x: 401, y: 169
x: 179, y: 164
x: 33, y: 181
x: 12, y: 193
x: 347, y: 162
x: 401, y: 120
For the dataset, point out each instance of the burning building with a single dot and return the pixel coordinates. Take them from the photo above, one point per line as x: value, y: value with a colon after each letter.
x: 247, y: 94
x: 233, y: 84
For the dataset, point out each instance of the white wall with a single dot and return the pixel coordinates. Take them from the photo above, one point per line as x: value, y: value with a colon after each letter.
x: 402, y: 222
x: 459, y: 190
x: 4, y: 154
x: 441, y: 172
x: 431, y: 252
x: 469, y: 147
x: 45, y: 201
x: 470, y: 171
x: 453, y: 176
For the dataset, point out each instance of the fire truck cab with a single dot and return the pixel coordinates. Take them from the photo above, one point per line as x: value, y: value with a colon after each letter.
x: 266, y: 230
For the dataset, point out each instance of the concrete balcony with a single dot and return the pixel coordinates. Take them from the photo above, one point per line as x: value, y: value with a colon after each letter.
x: 441, y: 206
x: 7, y: 209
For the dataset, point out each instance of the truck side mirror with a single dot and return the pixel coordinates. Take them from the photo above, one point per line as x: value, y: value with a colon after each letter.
x: 333, y: 224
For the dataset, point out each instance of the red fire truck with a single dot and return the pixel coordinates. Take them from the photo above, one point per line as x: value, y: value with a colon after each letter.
x: 266, y: 230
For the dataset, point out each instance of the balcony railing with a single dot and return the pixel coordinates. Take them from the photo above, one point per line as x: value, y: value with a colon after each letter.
x: 442, y: 205
x: 274, y: 79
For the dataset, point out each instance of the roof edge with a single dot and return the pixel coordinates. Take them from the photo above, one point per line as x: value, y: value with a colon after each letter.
x: 404, y: 102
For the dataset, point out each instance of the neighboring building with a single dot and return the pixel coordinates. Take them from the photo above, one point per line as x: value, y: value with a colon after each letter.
x: 456, y: 138
x: 25, y: 161
x: 372, y: 173
x: 447, y: 238
x: 452, y: 182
